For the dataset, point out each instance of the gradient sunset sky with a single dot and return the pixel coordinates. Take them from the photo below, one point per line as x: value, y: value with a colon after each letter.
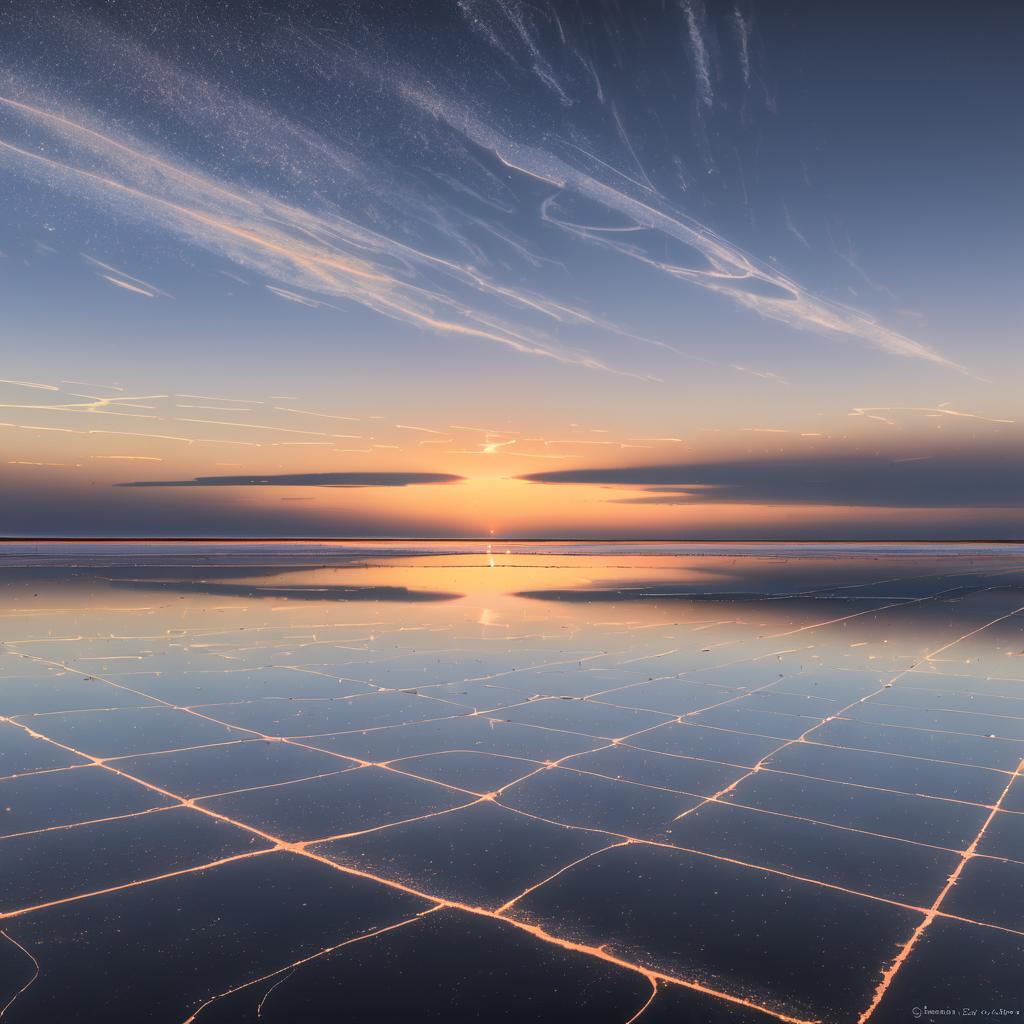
x: 636, y: 269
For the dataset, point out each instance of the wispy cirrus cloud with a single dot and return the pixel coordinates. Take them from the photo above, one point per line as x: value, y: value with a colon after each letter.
x: 320, y: 251
x: 693, y: 11
x: 728, y: 270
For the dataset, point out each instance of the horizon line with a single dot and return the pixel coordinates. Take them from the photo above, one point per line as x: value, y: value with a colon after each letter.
x: 491, y: 539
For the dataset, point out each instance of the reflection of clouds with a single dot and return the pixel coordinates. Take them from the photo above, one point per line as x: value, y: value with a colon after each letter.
x: 346, y: 593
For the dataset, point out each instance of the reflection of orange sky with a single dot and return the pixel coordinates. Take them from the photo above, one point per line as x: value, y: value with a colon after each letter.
x: 494, y: 575
x: 497, y: 588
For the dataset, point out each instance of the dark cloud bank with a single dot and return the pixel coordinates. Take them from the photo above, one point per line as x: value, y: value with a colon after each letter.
x: 306, y: 480
x: 972, y: 480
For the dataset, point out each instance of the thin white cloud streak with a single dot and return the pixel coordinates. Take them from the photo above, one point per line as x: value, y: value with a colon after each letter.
x: 873, y: 411
x: 125, y: 280
x: 743, y: 41
x: 128, y: 286
x: 492, y: 21
x: 30, y: 384
x: 300, y: 300
x: 698, y: 50
x: 793, y: 229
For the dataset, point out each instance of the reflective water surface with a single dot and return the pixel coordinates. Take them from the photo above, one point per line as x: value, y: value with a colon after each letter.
x: 718, y: 783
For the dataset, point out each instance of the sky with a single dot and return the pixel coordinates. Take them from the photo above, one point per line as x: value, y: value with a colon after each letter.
x: 597, y: 269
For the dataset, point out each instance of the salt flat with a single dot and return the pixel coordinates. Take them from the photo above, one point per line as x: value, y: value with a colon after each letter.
x: 533, y: 782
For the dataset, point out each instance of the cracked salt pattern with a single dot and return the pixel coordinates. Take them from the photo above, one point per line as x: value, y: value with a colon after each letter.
x: 723, y: 783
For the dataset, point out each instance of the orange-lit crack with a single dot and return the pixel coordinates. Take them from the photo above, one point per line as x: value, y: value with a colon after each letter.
x: 306, y: 843
x: 899, y: 603
x: 277, y: 785
x: 933, y: 911
x: 963, y: 693
x: 739, y: 693
x: 135, y: 883
x: 699, y: 711
x: 763, y: 810
x: 42, y: 771
x: 92, y: 821
x: 845, y: 618
x: 505, y: 907
x: 459, y: 750
x: 283, y: 972
x: 938, y: 732
x: 893, y: 753
x: 35, y: 972
x: 953, y: 711
x: 270, y: 991
x: 373, y: 692
x: 177, y: 750
x: 874, y: 789
x: 966, y: 636
x: 650, y: 999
